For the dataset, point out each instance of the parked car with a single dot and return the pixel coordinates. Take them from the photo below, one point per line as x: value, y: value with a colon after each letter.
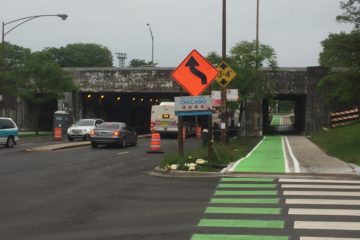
x: 9, y: 132
x: 113, y: 133
x: 82, y: 129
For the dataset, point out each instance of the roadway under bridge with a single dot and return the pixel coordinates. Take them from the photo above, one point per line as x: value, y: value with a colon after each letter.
x: 127, y: 94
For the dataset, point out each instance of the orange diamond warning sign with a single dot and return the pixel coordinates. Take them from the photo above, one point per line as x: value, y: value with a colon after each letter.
x: 194, y: 74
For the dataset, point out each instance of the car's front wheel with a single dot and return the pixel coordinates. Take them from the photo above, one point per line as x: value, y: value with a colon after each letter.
x: 10, y: 142
x: 70, y: 139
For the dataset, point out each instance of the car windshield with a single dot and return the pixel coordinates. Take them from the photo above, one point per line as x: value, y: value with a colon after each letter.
x: 84, y: 123
x: 107, y: 125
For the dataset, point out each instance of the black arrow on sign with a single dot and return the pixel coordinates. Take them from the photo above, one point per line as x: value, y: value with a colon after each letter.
x: 223, y: 82
x: 223, y: 66
x: 192, y: 64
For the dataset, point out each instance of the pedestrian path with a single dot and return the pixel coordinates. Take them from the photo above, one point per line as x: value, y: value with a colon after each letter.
x: 267, y: 156
x: 282, y: 209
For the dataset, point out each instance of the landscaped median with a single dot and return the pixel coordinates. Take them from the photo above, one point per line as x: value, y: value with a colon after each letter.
x: 197, y: 159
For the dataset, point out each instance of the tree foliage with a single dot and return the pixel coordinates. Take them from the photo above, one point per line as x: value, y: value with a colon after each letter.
x: 140, y: 63
x: 342, y: 51
x: 351, y: 13
x: 12, y: 59
x: 82, y: 55
x: 42, y: 79
x: 246, y: 60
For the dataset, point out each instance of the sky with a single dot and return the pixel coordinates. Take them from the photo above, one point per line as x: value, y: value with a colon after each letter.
x: 293, y: 28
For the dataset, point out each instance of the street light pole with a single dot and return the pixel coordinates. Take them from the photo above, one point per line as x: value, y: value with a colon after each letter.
x: 24, y: 20
x: 257, y: 34
x: 152, y: 44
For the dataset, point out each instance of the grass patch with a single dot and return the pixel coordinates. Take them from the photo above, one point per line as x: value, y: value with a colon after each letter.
x: 223, y: 154
x: 341, y: 142
x: 32, y: 134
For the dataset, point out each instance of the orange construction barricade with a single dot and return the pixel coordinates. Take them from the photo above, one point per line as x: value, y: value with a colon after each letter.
x: 155, y: 144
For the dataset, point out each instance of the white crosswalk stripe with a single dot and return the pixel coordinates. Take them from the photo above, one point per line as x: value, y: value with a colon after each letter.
x: 334, y: 210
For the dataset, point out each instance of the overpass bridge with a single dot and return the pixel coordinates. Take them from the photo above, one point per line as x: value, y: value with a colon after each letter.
x: 127, y: 94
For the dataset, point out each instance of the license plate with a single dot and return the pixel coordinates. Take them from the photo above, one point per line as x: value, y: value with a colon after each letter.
x: 164, y: 123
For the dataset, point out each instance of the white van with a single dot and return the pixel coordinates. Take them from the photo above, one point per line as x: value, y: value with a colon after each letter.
x: 164, y: 120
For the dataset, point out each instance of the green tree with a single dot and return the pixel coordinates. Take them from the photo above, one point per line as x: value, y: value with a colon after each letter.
x: 341, y: 53
x: 250, y: 80
x: 82, y: 55
x: 12, y: 59
x: 351, y: 13
x: 140, y: 63
x: 42, y: 80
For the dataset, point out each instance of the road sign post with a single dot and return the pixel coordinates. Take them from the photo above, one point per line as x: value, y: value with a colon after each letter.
x: 195, y: 74
x: 225, y: 76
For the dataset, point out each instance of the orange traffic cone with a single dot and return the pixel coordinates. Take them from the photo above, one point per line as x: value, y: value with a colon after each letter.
x: 155, y: 145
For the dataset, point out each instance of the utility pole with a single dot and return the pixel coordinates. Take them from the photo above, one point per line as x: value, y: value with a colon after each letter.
x: 223, y: 90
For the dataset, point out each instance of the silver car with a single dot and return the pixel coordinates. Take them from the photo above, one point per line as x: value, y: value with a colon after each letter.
x: 82, y: 129
x: 113, y: 133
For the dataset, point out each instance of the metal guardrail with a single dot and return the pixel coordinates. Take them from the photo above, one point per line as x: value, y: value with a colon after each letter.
x: 343, y: 118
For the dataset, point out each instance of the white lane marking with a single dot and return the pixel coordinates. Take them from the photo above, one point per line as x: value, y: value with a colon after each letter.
x: 121, y: 153
x: 327, y: 238
x: 62, y: 150
x: 238, y: 161
x: 352, y: 226
x: 328, y: 212
x: 323, y: 201
x: 316, y: 180
x: 285, y: 155
x: 320, y: 186
x: 320, y: 193
x: 294, y: 159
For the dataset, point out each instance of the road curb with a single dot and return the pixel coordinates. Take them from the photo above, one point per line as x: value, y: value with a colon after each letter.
x: 159, y: 172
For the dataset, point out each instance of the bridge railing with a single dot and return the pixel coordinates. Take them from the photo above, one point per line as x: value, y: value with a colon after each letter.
x: 343, y: 118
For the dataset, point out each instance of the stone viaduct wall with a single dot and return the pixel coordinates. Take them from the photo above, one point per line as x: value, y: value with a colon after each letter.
x: 287, y: 81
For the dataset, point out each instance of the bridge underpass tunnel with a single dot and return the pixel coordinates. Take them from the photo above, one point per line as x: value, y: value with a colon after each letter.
x: 284, y: 114
x: 132, y: 108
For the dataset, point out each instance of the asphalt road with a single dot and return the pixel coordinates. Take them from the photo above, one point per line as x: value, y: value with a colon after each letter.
x: 103, y: 193
x: 106, y: 193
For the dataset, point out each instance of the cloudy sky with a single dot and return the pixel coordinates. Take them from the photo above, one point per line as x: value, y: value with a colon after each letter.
x: 294, y: 28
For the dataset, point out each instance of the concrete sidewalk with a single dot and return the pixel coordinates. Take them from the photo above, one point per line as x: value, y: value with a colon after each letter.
x: 314, y: 160
x: 68, y: 145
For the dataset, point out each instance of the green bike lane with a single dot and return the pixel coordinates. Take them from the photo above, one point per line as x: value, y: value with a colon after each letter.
x: 266, y: 157
x: 244, y: 209
x: 248, y: 208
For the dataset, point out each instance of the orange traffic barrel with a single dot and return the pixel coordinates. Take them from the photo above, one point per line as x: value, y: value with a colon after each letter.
x: 57, y: 134
x: 198, y: 132
x: 155, y: 144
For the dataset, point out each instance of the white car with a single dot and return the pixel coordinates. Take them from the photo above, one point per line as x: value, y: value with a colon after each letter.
x: 82, y: 129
